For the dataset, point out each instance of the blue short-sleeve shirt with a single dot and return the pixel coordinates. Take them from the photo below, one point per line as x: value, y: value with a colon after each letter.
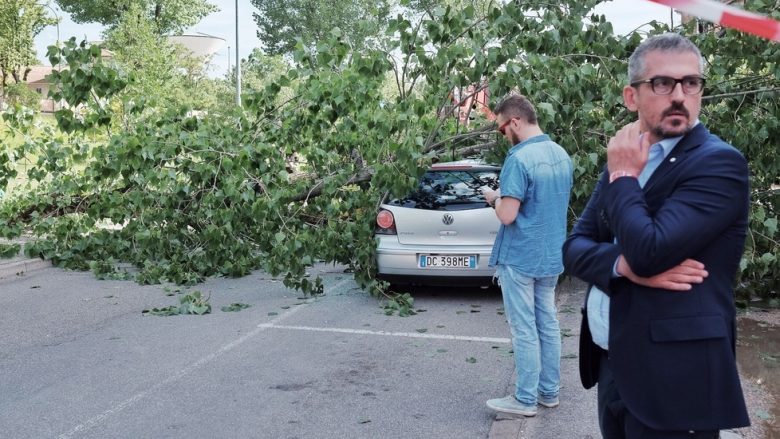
x: 538, y: 172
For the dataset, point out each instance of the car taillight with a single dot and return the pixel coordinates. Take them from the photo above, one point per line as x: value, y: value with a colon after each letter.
x: 385, y: 223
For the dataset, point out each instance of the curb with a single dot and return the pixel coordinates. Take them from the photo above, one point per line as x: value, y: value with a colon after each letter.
x: 16, y: 268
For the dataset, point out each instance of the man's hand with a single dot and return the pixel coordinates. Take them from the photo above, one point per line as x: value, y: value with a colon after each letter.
x: 679, y: 278
x: 490, y: 195
x: 627, y: 151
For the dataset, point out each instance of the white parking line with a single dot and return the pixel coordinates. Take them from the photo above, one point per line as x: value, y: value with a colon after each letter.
x: 387, y: 333
x: 95, y: 420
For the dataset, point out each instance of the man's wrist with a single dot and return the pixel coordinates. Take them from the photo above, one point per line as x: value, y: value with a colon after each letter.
x: 614, y: 175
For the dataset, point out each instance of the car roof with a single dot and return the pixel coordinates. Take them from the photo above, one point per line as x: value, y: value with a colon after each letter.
x: 463, y: 165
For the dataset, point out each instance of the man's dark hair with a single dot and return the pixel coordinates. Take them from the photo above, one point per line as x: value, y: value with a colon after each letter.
x: 517, y: 106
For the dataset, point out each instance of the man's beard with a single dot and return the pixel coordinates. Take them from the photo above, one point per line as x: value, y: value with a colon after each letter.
x: 676, y: 108
x: 661, y: 133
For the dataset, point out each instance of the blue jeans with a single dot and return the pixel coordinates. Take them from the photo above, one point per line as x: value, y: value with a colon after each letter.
x: 529, y: 305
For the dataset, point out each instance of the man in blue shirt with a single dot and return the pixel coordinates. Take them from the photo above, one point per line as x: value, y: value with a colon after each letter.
x: 531, y: 203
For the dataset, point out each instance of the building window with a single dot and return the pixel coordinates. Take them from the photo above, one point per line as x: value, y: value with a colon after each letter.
x: 39, y: 90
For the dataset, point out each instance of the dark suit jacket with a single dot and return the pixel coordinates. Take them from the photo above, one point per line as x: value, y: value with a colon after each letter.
x: 672, y: 354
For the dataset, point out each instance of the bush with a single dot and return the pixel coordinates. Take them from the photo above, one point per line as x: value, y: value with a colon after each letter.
x: 20, y: 94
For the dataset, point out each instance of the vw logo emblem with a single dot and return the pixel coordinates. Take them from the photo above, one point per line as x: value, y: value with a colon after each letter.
x: 447, y: 219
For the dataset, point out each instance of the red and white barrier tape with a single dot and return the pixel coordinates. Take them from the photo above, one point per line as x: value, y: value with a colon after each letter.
x: 728, y: 16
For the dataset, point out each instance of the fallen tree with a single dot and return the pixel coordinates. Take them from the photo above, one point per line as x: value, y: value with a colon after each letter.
x: 296, y: 175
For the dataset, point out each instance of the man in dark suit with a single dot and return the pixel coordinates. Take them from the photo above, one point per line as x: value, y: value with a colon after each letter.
x: 660, y: 242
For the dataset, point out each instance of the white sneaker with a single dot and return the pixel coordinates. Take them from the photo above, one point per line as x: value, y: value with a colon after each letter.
x: 509, y: 404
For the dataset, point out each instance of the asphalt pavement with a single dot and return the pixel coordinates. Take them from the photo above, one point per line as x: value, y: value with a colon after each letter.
x: 78, y: 359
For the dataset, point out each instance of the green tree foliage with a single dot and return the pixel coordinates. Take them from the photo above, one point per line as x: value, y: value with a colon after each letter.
x: 20, y: 94
x: 20, y: 22
x: 88, y: 84
x: 283, y: 183
x: 167, y: 15
x: 164, y: 73
x: 259, y: 70
x: 429, y: 7
x: 282, y: 23
x: 741, y: 105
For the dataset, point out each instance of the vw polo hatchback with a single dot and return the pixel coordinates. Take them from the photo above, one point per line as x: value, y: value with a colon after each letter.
x: 443, y: 232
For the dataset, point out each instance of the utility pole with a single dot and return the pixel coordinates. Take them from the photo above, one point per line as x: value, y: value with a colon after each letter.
x: 238, y: 64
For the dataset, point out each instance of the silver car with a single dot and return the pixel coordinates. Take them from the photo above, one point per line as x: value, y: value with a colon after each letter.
x: 442, y: 233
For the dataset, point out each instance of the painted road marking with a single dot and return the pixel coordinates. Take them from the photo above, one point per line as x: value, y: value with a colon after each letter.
x: 387, y: 333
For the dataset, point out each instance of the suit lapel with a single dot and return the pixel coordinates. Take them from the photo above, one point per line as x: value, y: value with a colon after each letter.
x: 692, y: 139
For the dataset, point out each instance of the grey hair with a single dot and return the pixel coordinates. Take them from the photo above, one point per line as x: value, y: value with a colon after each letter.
x: 668, y: 42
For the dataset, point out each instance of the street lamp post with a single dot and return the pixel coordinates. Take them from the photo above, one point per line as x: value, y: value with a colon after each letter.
x: 54, y: 11
x: 238, y: 64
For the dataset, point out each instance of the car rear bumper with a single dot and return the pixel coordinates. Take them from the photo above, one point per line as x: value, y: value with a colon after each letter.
x: 438, y: 281
x: 398, y: 263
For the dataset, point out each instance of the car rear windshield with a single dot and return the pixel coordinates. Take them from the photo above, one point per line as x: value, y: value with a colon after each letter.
x: 450, y: 190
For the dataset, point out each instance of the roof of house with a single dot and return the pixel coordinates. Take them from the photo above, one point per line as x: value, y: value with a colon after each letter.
x: 38, y: 74
x: 105, y: 53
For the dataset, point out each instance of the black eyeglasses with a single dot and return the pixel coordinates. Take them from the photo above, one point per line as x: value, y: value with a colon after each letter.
x: 664, y: 85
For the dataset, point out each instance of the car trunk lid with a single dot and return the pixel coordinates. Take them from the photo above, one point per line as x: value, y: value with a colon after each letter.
x: 445, y: 227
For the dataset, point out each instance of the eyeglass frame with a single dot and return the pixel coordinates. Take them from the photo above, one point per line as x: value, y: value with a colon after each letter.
x: 652, y: 80
x: 502, y: 127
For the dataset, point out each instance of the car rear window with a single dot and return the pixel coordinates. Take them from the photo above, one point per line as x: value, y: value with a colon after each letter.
x: 450, y: 190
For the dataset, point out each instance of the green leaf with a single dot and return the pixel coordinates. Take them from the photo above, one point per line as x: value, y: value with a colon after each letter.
x: 235, y: 307
x: 9, y: 250
x: 166, y: 311
x: 762, y: 415
x: 771, y: 226
x: 547, y: 108
x: 200, y: 309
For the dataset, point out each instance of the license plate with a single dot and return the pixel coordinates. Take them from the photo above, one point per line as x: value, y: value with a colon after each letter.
x: 447, y: 261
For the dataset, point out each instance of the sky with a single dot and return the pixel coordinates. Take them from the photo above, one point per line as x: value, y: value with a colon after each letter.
x: 625, y: 15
